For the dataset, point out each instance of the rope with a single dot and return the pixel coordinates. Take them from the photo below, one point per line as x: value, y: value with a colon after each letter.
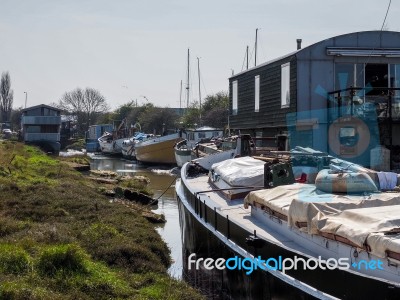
x: 383, y: 25
x: 154, y: 200
x: 387, y: 12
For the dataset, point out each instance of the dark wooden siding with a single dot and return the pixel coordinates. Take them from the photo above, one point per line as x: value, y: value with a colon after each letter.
x: 270, y: 114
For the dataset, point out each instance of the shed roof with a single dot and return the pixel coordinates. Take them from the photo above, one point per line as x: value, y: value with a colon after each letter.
x: 41, y: 105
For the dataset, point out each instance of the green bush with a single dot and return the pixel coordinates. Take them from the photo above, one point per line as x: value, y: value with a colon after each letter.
x: 19, y: 162
x: 16, y: 290
x: 133, y: 257
x: 42, y: 160
x: 102, y: 283
x: 13, y: 259
x: 62, y: 259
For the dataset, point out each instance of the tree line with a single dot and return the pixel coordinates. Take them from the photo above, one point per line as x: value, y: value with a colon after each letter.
x: 85, y: 107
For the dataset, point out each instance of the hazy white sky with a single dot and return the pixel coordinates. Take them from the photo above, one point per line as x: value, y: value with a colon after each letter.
x: 128, y: 49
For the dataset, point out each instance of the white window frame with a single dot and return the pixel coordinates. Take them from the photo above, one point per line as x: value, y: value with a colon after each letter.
x: 257, y: 93
x: 234, y: 97
x: 285, y: 85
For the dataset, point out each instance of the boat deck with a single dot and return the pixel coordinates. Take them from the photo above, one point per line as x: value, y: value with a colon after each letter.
x: 239, y: 215
x: 275, y: 228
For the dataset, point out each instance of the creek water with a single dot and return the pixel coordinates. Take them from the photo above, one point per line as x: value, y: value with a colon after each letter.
x: 162, y: 183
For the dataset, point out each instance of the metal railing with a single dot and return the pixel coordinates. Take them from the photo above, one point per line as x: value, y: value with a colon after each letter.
x: 41, y: 120
x: 32, y: 137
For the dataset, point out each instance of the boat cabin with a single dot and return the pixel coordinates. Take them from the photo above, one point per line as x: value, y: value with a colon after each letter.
x: 204, y: 133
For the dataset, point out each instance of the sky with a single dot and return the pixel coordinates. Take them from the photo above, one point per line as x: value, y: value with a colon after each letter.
x: 137, y: 49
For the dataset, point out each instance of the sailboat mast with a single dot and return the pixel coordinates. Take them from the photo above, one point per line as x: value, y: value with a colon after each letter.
x: 198, y: 70
x: 180, y: 100
x: 247, y: 58
x: 255, y: 51
x: 188, y: 73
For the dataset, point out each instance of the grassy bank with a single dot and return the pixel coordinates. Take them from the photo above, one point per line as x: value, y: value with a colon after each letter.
x: 61, y: 239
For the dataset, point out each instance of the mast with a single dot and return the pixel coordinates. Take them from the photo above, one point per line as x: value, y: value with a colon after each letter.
x: 255, y: 51
x: 198, y: 70
x: 180, y: 100
x: 187, y: 86
x: 247, y: 57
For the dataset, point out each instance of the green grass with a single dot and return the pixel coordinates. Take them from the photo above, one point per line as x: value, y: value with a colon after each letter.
x: 61, y: 239
x: 14, y: 259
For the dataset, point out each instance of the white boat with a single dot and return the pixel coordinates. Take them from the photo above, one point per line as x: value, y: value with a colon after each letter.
x: 157, y: 149
x: 184, y: 150
x: 344, y: 245
x: 110, y: 145
x: 128, y: 145
x: 111, y: 142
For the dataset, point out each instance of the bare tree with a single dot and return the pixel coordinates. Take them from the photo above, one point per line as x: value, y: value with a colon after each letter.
x: 6, y: 97
x: 94, y: 103
x: 72, y: 101
x: 84, y: 105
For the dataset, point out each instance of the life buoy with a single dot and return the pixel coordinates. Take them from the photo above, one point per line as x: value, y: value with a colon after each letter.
x: 347, y: 182
x: 362, y: 137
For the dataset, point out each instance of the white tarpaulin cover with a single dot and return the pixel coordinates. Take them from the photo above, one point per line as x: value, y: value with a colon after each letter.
x: 280, y: 197
x: 303, y: 202
x: 303, y: 210
x: 242, y: 171
x: 366, y: 226
x: 359, y: 218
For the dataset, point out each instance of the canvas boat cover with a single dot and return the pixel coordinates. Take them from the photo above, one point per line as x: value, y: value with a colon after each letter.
x: 379, y: 227
x: 341, y: 214
x: 241, y: 171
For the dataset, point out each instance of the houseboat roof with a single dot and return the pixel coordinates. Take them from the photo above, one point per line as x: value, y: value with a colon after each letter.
x: 41, y: 105
x: 364, y: 41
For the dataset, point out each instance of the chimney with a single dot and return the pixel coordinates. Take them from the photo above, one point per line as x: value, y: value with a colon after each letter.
x: 298, y: 44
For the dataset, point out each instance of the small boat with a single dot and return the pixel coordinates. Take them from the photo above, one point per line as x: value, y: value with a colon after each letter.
x: 128, y: 145
x: 157, y: 149
x: 184, y: 150
x: 111, y: 142
x: 283, y: 214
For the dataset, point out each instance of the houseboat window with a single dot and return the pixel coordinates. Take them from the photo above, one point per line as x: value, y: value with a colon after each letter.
x: 49, y: 112
x: 257, y: 93
x: 49, y: 129
x: 394, y: 77
x: 34, y: 112
x: 394, y: 82
x: 359, y: 78
x: 376, y: 78
x: 344, y: 76
x: 234, y: 97
x: 285, y: 85
x: 32, y: 129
